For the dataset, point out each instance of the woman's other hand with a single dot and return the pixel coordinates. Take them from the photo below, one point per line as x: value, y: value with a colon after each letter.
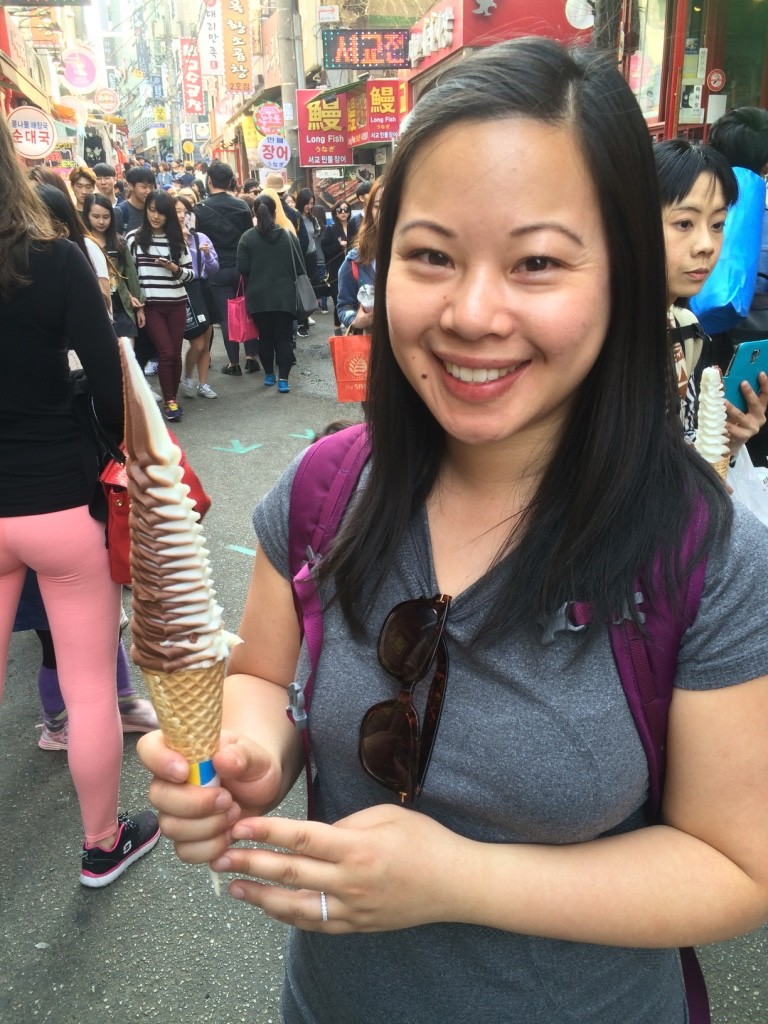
x: 381, y: 868
x: 741, y: 426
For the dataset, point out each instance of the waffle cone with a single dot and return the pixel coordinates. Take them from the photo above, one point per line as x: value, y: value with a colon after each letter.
x: 721, y: 467
x: 188, y: 705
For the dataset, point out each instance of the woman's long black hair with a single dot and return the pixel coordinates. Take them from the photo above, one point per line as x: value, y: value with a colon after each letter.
x: 164, y: 204
x: 63, y: 210
x: 264, y: 209
x: 621, y: 483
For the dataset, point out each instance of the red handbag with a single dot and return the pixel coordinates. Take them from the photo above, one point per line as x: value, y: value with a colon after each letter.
x: 114, y: 481
x: 239, y: 324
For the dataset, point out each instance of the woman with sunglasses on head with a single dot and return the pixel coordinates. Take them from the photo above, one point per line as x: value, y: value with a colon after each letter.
x: 126, y: 295
x: 527, y: 463
x: 164, y: 267
x: 333, y: 242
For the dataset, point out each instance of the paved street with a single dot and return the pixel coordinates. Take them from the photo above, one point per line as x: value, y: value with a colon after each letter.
x: 158, y: 945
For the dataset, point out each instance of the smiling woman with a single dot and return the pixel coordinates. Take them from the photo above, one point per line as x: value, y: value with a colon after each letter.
x: 524, y: 459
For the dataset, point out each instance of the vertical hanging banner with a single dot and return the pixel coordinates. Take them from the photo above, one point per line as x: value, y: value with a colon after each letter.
x: 236, y: 37
x: 191, y: 78
x: 322, y: 130
x: 209, y: 45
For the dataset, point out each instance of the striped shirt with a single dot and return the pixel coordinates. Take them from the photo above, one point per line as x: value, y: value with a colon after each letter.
x: 158, y: 283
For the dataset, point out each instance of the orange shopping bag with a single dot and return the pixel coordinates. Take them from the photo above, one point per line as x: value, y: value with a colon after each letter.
x: 351, y: 355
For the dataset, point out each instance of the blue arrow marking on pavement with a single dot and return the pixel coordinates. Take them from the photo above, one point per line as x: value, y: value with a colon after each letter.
x: 241, y: 551
x: 237, y: 447
x: 308, y: 435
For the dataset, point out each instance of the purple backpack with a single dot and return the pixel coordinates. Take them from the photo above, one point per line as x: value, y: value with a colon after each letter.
x: 322, y: 487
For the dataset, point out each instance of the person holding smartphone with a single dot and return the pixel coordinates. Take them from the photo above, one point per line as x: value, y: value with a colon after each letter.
x: 698, y: 187
x: 164, y: 266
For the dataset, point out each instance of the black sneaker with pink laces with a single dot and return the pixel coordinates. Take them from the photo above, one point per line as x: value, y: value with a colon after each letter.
x: 136, y: 835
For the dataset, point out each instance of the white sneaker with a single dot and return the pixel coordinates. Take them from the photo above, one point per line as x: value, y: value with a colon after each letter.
x: 206, y: 391
x: 156, y: 395
x: 188, y: 387
x: 310, y: 321
x: 151, y: 368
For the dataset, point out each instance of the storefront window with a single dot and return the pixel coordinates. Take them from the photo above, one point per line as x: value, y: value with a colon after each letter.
x: 745, y: 53
x: 645, y: 63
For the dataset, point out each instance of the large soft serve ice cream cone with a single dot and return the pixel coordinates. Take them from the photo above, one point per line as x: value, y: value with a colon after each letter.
x: 178, y: 639
x: 711, y: 436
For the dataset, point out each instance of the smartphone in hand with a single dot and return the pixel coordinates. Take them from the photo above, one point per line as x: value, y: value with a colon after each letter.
x: 749, y: 359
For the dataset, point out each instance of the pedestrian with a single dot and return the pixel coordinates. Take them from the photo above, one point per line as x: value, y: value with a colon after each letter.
x: 106, y: 182
x: 83, y: 183
x: 224, y: 219
x: 359, y: 268
x: 204, y: 262
x: 164, y: 267
x: 126, y: 296
x: 269, y: 258
x: 698, y: 188
x: 136, y: 714
x: 49, y: 300
x: 142, y: 182
x: 501, y: 862
x: 333, y: 242
x: 305, y: 202
x: 65, y: 216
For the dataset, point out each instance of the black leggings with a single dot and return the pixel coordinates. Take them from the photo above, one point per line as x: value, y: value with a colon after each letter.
x: 275, y: 342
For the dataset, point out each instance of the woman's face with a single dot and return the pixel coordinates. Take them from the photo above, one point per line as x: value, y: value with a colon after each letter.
x: 342, y: 213
x: 181, y: 213
x: 308, y: 207
x: 496, y: 321
x: 99, y: 218
x: 156, y: 220
x: 376, y: 205
x: 290, y: 201
x: 693, y: 237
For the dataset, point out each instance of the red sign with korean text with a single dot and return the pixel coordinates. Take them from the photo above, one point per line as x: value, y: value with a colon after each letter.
x: 450, y: 25
x: 236, y: 40
x: 268, y: 118
x: 374, y: 111
x: 270, y: 52
x: 322, y: 130
x: 191, y: 78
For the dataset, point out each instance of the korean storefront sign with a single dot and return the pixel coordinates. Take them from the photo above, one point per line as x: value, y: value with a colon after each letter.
x: 322, y: 132
x: 191, y: 78
x: 268, y: 118
x: 374, y: 111
x: 33, y: 132
x: 209, y: 43
x: 80, y: 69
x: 236, y: 37
x: 270, y: 52
x: 359, y: 49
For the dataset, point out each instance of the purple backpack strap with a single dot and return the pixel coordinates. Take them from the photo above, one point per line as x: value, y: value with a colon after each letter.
x: 322, y: 487
x: 647, y: 666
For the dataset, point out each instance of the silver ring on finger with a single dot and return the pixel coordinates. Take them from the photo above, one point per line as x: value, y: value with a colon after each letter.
x: 323, y: 908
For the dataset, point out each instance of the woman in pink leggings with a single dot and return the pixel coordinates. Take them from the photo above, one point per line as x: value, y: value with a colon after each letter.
x: 49, y: 302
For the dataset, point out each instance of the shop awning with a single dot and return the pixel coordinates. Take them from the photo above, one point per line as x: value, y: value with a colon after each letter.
x: 11, y: 76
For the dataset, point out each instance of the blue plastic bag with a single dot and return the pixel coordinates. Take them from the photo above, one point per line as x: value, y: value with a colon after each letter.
x: 727, y: 294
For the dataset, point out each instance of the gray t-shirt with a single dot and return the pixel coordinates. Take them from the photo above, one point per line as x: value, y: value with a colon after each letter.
x: 536, y: 744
